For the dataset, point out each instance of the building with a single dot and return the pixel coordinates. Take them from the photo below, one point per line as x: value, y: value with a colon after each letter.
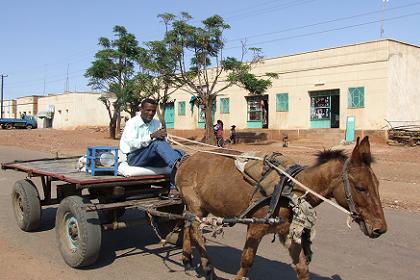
x: 359, y: 88
x: 72, y: 109
x: 365, y: 85
x: 27, y: 105
x: 9, y: 108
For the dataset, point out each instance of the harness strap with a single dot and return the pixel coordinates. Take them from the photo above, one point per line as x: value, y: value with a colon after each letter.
x: 266, y: 170
x: 347, y: 191
x: 254, y: 205
x: 283, y: 188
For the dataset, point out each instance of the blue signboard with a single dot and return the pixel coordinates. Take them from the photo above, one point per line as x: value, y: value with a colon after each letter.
x: 350, y: 127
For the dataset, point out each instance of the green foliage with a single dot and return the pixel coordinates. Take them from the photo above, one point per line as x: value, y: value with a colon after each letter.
x: 113, y: 71
x: 200, y: 64
x: 254, y: 85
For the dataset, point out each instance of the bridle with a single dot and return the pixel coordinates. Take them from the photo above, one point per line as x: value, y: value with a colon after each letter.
x: 347, y: 190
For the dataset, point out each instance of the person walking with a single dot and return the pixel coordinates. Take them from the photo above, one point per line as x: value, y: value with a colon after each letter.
x: 218, y: 132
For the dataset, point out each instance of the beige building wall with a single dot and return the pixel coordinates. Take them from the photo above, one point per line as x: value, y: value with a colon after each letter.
x: 9, y: 108
x: 386, y: 69
x: 404, y: 84
x: 27, y: 105
x: 74, y: 109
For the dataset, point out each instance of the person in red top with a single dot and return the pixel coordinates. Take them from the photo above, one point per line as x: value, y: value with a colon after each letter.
x: 218, y: 132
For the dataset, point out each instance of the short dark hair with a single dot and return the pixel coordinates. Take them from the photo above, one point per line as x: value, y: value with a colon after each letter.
x: 148, y: 100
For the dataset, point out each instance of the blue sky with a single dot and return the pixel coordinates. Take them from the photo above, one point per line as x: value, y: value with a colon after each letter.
x: 42, y: 41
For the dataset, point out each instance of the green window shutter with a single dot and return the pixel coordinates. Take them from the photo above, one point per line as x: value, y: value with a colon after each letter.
x: 356, y: 97
x: 282, y: 102
x: 224, y: 105
x: 181, y: 108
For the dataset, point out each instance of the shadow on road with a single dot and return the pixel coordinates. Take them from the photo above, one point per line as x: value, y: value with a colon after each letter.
x: 263, y: 268
x: 143, y: 241
x: 47, y: 219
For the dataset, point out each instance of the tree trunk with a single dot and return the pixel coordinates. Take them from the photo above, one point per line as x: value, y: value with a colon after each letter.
x: 117, y: 124
x: 209, y: 136
x: 113, y: 126
x: 161, y: 114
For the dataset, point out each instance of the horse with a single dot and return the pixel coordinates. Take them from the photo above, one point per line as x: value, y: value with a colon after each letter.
x: 211, y: 183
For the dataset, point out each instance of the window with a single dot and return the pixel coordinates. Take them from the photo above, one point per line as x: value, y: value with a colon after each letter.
x: 320, y: 107
x: 254, y: 109
x: 224, y: 105
x: 181, y: 108
x: 356, y: 97
x: 282, y: 102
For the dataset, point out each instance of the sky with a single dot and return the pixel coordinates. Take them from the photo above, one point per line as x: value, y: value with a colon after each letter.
x: 47, y: 45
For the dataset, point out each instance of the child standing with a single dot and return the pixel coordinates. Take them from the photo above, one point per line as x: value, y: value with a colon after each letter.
x: 218, y: 132
x: 233, y: 135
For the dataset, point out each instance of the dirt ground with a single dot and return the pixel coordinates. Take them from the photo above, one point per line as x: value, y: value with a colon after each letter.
x: 397, y: 167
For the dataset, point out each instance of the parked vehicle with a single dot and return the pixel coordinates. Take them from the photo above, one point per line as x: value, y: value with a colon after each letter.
x: 27, y: 121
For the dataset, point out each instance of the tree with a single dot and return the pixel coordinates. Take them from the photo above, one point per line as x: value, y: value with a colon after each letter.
x: 113, y: 71
x: 156, y: 76
x: 201, y: 67
x: 158, y: 69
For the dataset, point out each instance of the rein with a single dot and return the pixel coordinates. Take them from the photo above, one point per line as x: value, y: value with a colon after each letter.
x: 349, y: 198
x: 308, y: 190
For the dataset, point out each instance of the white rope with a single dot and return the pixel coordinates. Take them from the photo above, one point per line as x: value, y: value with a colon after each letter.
x: 170, y: 138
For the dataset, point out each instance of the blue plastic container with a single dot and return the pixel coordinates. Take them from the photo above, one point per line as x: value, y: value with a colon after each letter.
x: 101, y: 160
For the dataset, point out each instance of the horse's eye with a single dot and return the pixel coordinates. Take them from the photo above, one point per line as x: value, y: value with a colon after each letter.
x: 361, y: 188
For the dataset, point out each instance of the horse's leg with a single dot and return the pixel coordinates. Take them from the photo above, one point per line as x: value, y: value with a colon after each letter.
x: 299, y: 261
x: 199, y: 241
x: 254, y: 235
x: 187, y: 249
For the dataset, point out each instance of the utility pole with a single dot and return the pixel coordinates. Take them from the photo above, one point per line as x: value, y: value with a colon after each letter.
x: 1, y: 110
x: 383, y: 17
x: 67, y: 79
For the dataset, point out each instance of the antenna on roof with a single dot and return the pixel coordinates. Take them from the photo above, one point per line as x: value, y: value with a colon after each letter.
x: 67, y: 79
x: 383, y: 17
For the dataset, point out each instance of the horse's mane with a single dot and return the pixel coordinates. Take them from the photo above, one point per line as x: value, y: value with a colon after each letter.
x: 327, y: 155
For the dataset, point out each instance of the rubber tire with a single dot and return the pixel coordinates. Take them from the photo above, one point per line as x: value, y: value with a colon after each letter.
x: 28, y: 213
x: 29, y: 127
x: 9, y: 126
x: 88, y: 245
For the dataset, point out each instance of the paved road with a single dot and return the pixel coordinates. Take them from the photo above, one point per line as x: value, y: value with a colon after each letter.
x: 134, y: 253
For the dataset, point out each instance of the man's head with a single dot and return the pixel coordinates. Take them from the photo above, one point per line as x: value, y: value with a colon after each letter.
x: 148, y: 109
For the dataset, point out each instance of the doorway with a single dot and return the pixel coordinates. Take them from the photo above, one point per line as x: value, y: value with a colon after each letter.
x: 325, y: 108
x: 169, y: 115
x: 257, y: 111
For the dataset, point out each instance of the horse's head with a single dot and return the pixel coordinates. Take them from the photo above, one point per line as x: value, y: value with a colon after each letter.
x: 358, y: 191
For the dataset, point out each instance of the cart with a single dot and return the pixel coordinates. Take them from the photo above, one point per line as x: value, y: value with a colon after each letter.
x: 87, y: 205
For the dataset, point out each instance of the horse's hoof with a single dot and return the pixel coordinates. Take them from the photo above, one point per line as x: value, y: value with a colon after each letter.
x: 188, y: 266
x: 209, y: 273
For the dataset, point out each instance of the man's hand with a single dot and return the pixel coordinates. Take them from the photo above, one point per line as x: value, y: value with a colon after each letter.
x: 159, y: 134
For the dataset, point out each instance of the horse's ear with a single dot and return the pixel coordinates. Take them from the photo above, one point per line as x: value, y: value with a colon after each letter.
x: 361, y: 153
x: 357, y: 141
x: 365, y: 146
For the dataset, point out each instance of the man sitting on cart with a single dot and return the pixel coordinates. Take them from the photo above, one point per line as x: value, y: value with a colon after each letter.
x: 143, y: 141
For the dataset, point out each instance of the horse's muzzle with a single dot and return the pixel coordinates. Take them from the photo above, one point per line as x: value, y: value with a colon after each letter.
x: 377, y: 232
x: 369, y: 231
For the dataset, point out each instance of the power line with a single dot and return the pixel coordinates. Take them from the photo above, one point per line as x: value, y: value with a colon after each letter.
x: 324, y: 31
x: 325, y: 22
x: 284, y: 6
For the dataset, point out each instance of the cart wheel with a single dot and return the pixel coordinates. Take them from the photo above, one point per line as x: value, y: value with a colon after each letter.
x: 26, y: 205
x: 9, y: 126
x: 29, y: 126
x: 78, y: 232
